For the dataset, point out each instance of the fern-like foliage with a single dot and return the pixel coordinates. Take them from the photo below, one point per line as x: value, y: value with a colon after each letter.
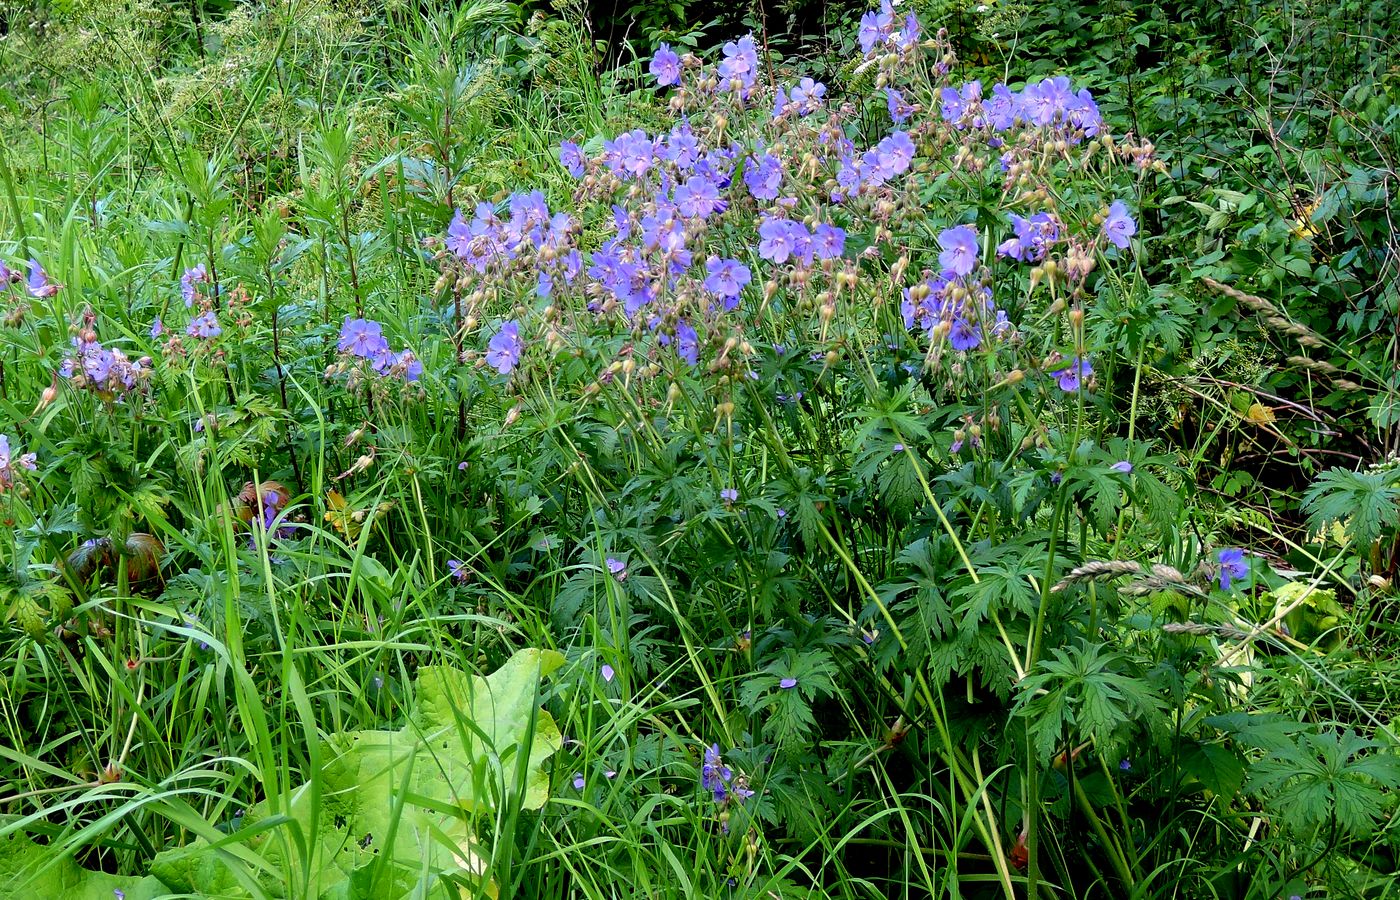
x: 1328, y: 779
x: 1367, y: 502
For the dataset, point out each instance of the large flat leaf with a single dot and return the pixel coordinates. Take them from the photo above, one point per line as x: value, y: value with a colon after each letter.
x: 390, y: 816
x: 30, y: 871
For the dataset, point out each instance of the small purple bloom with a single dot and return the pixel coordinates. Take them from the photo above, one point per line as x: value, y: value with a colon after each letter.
x: 1122, y: 466
x: 157, y: 328
x: 1072, y: 374
x: 729, y: 495
x: 205, y: 326
x: 714, y: 774
x: 807, y: 96
x: 783, y: 239
x: 457, y: 570
x: 900, y: 110
x: 666, y: 66
x: 960, y: 250
x: 964, y: 335
x: 503, y: 351
x: 1233, y: 567
x: 763, y: 176
x: 571, y: 157
x: 788, y: 683
x: 1125, y: 765
x: 828, y: 241
x: 362, y: 338
x: 578, y: 781
x: 38, y: 283
x: 193, y: 276
x: 1119, y: 226
x: 608, y: 673
x: 687, y: 342
x: 726, y: 278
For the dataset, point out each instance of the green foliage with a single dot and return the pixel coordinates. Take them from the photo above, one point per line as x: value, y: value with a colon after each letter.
x: 390, y: 814
x: 960, y: 631
x: 1328, y: 780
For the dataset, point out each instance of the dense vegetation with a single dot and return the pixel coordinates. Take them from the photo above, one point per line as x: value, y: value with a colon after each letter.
x: 470, y: 449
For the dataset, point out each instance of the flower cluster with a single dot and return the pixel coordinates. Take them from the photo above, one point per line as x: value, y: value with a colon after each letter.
x: 8, y: 475
x: 744, y: 215
x: 719, y: 779
x: 107, y: 372
x: 363, y: 340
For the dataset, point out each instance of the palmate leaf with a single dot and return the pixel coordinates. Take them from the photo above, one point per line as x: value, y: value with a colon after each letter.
x: 1367, y: 502
x: 1085, y: 692
x: 388, y: 818
x: 1328, y: 778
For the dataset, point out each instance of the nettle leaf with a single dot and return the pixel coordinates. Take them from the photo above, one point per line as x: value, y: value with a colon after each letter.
x: 391, y: 814
x: 1328, y: 779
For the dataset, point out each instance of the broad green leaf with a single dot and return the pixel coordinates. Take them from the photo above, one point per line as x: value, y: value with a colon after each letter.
x: 391, y: 812
x: 29, y: 871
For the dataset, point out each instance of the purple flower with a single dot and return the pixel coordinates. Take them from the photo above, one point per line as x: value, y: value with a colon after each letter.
x: 900, y: 110
x: 828, y: 241
x: 958, y: 103
x: 763, y: 176
x: 7, y: 275
x: 607, y: 672
x: 682, y: 147
x: 1033, y: 237
x: 740, y: 64
x: 1122, y: 466
x: 788, y: 683
x: 503, y: 351
x: 1125, y: 765
x: 698, y: 198
x: 157, y: 328
x: 891, y: 157
x: 726, y: 278
x: 714, y: 774
x: 960, y: 250
x: 205, y: 326
x: 1119, y: 227
x: 457, y: 570
x: 38, y: 282
x: 1072, y: 373
x: 571, y: 157
x: 666, y: 66
x: 363, y: 338
x: 616, y: 568
x: 782, y: 239
x: 188, y: 281
x: 7, y: 464
x: 578, y: 781
x: 1233, y: 567
x: 729, y: 495
x: 807, y: 96
x: 964, y: 335
x: 687, y: 342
